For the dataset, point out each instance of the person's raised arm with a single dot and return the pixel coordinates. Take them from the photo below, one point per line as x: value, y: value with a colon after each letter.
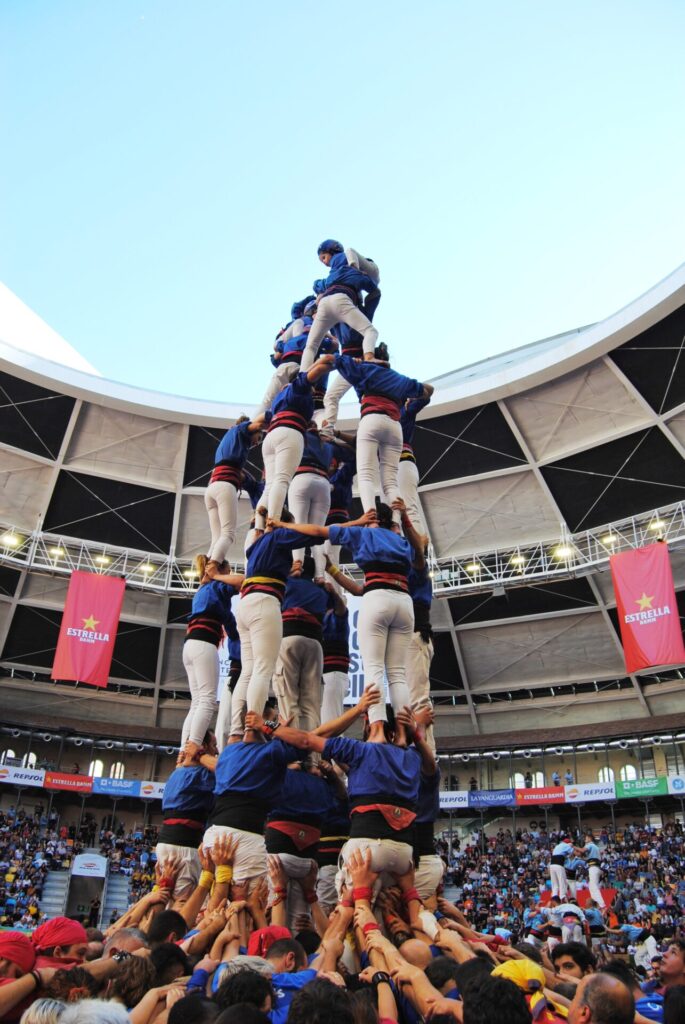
x: 295, y: 737
x: 339, y: 606
x: 337, y: 726
x: 411, y: 533
x: 405, y: 718
x: 344, y: 581
x: 308, y: 529
x: 279, y: 886
x: 428, y: 390
x: 257, y: 424
x: 193, y: 905
x: 234, y: 579
x: 322, y: 366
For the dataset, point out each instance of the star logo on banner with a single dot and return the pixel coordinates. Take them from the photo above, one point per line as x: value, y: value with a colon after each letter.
x: 91, y: 622
x: 644, y: 602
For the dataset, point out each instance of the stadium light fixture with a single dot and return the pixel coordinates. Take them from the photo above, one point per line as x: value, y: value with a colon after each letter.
x: 11, y: 540
x: 102, y: 559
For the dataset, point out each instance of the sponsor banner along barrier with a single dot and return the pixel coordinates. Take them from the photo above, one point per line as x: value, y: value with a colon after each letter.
x: 117, y: 787
x: 585, y: 792
x: 541, y: 795
x: 64, y: 780
x: 22, y: 776
x: 452, y: 798
x: 152, y: 790
x: 491, y: 797
x: 642, y: 787
x: 457, y: 799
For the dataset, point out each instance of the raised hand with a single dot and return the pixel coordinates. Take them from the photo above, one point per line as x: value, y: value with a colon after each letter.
x: 359, y: 867
x: 277, y: 875
x: 224, y: 849
x: 254, y: 721
x: 370, y: 696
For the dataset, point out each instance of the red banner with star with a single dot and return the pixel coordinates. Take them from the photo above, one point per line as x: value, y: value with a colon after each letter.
x: 89, y: 628
x: 647, y: 609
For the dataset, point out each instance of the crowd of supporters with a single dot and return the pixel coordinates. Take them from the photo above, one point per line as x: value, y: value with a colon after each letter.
x: 225, y: 954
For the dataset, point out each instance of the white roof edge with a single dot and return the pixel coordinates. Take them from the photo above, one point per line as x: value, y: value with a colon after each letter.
x: 542, y: 363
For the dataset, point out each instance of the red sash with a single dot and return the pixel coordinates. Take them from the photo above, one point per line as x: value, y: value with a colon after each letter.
x: 398, y: 818
x: 289, y: 418
x: 301, y: 835
x: 380, y: 404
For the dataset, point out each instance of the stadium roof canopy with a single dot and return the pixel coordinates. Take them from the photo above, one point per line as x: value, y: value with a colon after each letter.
x: 535, y: 466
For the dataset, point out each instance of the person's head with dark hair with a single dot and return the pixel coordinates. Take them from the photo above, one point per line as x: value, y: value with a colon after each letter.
x: 193, y: 1009
x: 246, y: 987
x: 241, y: 1013
x: 286, y: 955
x: 470, y: 974
x: 573, y: 958
x: 131, y: 980
x: 674, y: 1005
x: 384, y: 516
x: 494, y: 1000
x: 168, y: 926
x: 308, y: 567
x: 442, y: 973
x: 530, y: 951
x: 673, y: 963
x: 71, y: 986
x: 602, y: 999
x: 309, y: 940
x: 624, y: 972
x: 169, y: 962
x: 321, y: 1002
x: 364, y: 1003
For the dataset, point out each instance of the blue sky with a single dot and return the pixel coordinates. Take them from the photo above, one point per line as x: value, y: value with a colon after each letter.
x: 168, y: 169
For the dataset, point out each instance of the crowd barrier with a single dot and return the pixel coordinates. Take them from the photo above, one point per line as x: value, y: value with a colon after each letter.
x: 450, y: 800
x: 576, y: 793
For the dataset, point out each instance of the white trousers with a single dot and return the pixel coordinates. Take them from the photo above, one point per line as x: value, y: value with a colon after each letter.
x: 385, y: 627
x: 388, y: 858
x: 282, y: 452
x: 429, y: 875
x: 379, y: 444
x: 572, y: 932
x: 594, y: 875
x: 364, y: 264
x: 297, y: 681
x: 334, y: 394
x: 332, y: 310
x: 221, y: 502
x: 201, y: 662
x: 309, y: 499
x: 283, y: 376
x: 223, y: 719
x: 189, y: 871
x: 419, y: 658
x: 408, y: 482
x: 261, y: 630
x: 335, y: 686
x: 557, y: 874
x: 295, y: 868
x: 325, y: 888
x: 250, y: 855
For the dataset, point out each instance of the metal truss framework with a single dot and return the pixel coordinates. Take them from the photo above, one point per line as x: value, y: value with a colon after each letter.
x: 573, y: 555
